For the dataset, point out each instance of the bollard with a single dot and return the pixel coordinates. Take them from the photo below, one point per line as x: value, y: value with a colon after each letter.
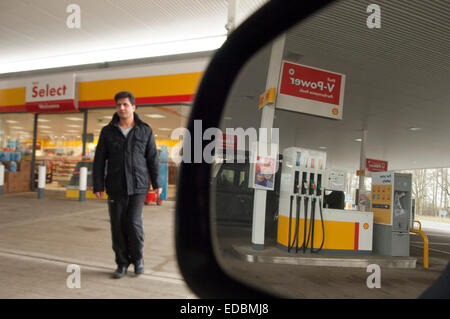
x: 2, y: 177
x: 164, y: 170
x: 41, y: 182
x: 83, y: 184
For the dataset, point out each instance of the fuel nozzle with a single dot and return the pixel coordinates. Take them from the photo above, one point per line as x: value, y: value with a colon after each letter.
x: 312, y: 186
x: 296, y: 182
x: 319, y: 185
x: 304, y: 182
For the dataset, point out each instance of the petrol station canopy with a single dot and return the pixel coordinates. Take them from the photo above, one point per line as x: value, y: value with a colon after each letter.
x: 43, y: 34
x: 397, y: 80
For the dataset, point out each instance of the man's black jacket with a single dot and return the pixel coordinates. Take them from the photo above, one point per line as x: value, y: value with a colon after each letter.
x: 130, y: 161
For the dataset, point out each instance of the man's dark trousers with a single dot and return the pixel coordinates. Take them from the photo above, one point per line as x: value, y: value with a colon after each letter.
x: 127, y: 231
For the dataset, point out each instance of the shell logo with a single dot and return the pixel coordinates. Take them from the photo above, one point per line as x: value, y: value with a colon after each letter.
x: 366, y: 226
x: 335, y: 111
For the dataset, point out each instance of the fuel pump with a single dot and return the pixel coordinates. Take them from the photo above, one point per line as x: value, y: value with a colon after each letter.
x: 301, y: 176
x: 304, y: 222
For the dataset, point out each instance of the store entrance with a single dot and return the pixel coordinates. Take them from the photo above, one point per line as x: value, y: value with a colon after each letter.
x: 59, y: 145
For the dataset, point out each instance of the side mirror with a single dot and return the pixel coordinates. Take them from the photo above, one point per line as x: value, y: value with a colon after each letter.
x: 323, y: 51
x: 194, y: 240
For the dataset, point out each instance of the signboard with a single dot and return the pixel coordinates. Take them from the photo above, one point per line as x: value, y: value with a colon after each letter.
x: 373, y: 165
x: 267, y: 97
x: 310, y: 90
x: 336, y: 180
x: 310, y: 159
x: 264, y: 173
x: 263, y: 166
x: 382, y: 198
x: 51, y: 94
x: 29, y: 146
x: 361, y: 172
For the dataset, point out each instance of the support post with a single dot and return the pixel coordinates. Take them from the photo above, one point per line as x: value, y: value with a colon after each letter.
x: 232, y: 12
x: 33, y: 152
x: 84, y: 135
x: 267, y: 117
x: 41, y: 182
x: 2, y: 178
x: 362, y: 159
x: 83, y: 184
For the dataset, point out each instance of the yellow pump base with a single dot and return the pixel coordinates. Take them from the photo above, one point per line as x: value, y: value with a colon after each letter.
x: 75, y: 193
x: 346, y: 232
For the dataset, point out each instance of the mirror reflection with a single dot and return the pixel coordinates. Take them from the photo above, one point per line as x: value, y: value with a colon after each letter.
x: 332, y: 170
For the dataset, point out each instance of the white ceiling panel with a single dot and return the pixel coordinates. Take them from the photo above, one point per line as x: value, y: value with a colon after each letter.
x: 32, y: 29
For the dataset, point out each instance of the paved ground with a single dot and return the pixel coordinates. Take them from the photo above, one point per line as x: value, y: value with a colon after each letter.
x: 40, y: 238
x: 300, y: 281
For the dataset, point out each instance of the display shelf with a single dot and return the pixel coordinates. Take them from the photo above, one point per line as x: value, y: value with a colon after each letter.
x: 61, y: 167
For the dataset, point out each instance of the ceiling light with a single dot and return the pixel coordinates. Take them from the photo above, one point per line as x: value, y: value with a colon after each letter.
x: 358, y: 139
x: 72, y: 131
x: 12, y: 121
x: 155, y: 116
x: 164, y: 129
x: 73, y: 118
x: 119, y: 54
x: 107, y: 117
x: 72, y: 125
x: 323, y: 147
x: 413, y: 129
x: 17, y: 127
x: 227, y: 118
x: 43, y: 120
x: 44, y: 126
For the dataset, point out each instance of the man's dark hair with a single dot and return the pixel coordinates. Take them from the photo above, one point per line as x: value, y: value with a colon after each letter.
x: 125, y: 94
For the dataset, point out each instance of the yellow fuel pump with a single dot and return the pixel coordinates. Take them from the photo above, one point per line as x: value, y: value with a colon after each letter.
x: 305, y: 224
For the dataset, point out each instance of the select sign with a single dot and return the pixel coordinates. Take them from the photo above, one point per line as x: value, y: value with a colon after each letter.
x: 52, y: 94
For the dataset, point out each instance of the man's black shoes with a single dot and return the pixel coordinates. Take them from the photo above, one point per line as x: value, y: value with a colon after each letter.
x: 120, y: 272
x: 139, y: 268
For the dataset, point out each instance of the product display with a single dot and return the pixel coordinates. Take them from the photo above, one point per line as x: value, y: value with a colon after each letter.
x: 17, y: 181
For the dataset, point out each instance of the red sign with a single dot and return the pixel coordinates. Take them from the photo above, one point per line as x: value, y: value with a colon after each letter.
x: 52, y: 94
x: 310, y: 83
x: 52, y: 106
x: 373, y: 165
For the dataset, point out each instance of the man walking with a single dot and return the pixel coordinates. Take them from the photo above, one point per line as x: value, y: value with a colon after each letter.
x: 127, y: 145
